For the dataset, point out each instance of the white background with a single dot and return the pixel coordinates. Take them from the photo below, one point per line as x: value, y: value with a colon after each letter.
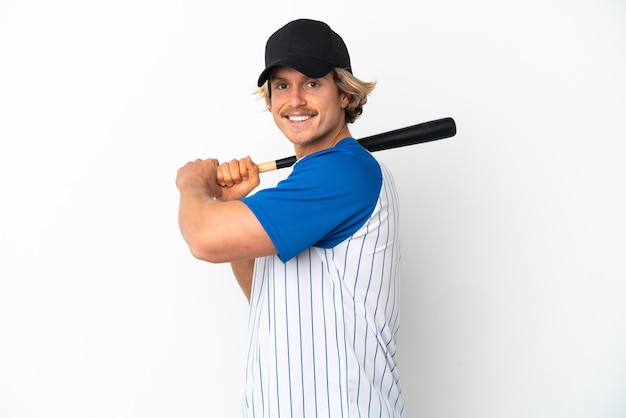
x: 514, y: 279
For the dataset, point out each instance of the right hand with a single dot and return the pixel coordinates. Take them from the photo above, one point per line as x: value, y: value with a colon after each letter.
x: 237, y: 178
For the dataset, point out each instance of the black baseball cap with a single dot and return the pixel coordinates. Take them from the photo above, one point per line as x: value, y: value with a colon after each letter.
x: 309, y: 46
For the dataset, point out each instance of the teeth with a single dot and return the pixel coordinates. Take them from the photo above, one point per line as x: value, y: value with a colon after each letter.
x: 298, y: 118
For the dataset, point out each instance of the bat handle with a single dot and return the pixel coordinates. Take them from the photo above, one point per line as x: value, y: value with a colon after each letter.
x: 275, y: 165
x: 267, y: 166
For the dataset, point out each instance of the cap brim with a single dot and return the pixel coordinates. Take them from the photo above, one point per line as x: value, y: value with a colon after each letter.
x: 309, y: 66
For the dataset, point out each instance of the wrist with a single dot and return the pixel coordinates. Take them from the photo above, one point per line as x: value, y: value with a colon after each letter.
x: 197, y: 191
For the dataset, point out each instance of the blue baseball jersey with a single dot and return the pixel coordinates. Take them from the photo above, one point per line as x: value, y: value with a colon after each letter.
x: 324, y: 312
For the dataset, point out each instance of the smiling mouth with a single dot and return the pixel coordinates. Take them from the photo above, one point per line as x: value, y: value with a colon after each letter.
x: 300, y: 118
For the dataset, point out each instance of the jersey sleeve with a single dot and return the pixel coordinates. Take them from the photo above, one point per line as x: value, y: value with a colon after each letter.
x: 327, y: 197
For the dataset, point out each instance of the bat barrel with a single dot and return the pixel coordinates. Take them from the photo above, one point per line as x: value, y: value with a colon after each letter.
x: 416, y: 134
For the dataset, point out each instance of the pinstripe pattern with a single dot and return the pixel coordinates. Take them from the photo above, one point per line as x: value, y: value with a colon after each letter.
x: 323, y: 326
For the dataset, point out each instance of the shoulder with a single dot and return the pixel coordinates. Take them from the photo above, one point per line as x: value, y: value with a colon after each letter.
x: 347, y: 160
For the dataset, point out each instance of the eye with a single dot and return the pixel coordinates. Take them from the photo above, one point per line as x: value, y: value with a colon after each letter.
x: 280, y: 86
x: 313, y: 84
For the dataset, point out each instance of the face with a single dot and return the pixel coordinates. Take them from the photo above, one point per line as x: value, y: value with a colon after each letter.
x: 309, y: 111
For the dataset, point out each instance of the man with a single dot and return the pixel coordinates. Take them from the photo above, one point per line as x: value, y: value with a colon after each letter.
x: 317, y: 256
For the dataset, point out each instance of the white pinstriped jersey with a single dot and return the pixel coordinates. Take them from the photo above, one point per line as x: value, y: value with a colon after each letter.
x: 323, y: 326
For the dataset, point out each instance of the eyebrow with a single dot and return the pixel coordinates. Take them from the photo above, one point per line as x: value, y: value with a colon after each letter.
x: 273, y: 77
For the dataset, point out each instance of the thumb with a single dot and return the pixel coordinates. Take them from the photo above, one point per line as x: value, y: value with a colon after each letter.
x: 253, y: 169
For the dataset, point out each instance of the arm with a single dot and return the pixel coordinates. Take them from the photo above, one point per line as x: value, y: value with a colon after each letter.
x: 215, y: 224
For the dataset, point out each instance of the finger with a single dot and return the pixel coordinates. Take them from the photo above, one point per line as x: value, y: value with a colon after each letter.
x: 237, y: 171
x: 251, y: 168
x: 253, y: 172
x: 248, y: 169
x: 223, y: 175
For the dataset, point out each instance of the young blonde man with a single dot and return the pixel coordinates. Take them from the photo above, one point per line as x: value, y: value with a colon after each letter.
x: 318, y: 255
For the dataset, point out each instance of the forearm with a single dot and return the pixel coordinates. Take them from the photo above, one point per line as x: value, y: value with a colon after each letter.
x: 243, y: 271
x: 220, y: 232
x: 194, y: 214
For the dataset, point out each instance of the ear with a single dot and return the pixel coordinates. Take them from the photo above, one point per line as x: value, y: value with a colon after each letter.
x: 345, y: 100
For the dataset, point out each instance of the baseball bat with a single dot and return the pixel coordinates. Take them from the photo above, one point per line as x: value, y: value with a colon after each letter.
x: 410, y: 135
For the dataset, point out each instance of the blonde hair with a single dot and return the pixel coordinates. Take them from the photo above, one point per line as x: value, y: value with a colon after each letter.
x: 347, y: 83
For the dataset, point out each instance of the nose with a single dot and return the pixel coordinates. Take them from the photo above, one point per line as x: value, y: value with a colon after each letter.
x: 296, y: 97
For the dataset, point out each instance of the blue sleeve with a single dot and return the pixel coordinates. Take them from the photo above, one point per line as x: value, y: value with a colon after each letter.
x: 327, y: 197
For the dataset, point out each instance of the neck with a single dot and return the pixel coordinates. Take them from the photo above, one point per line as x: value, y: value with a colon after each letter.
x: 328, y: 141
